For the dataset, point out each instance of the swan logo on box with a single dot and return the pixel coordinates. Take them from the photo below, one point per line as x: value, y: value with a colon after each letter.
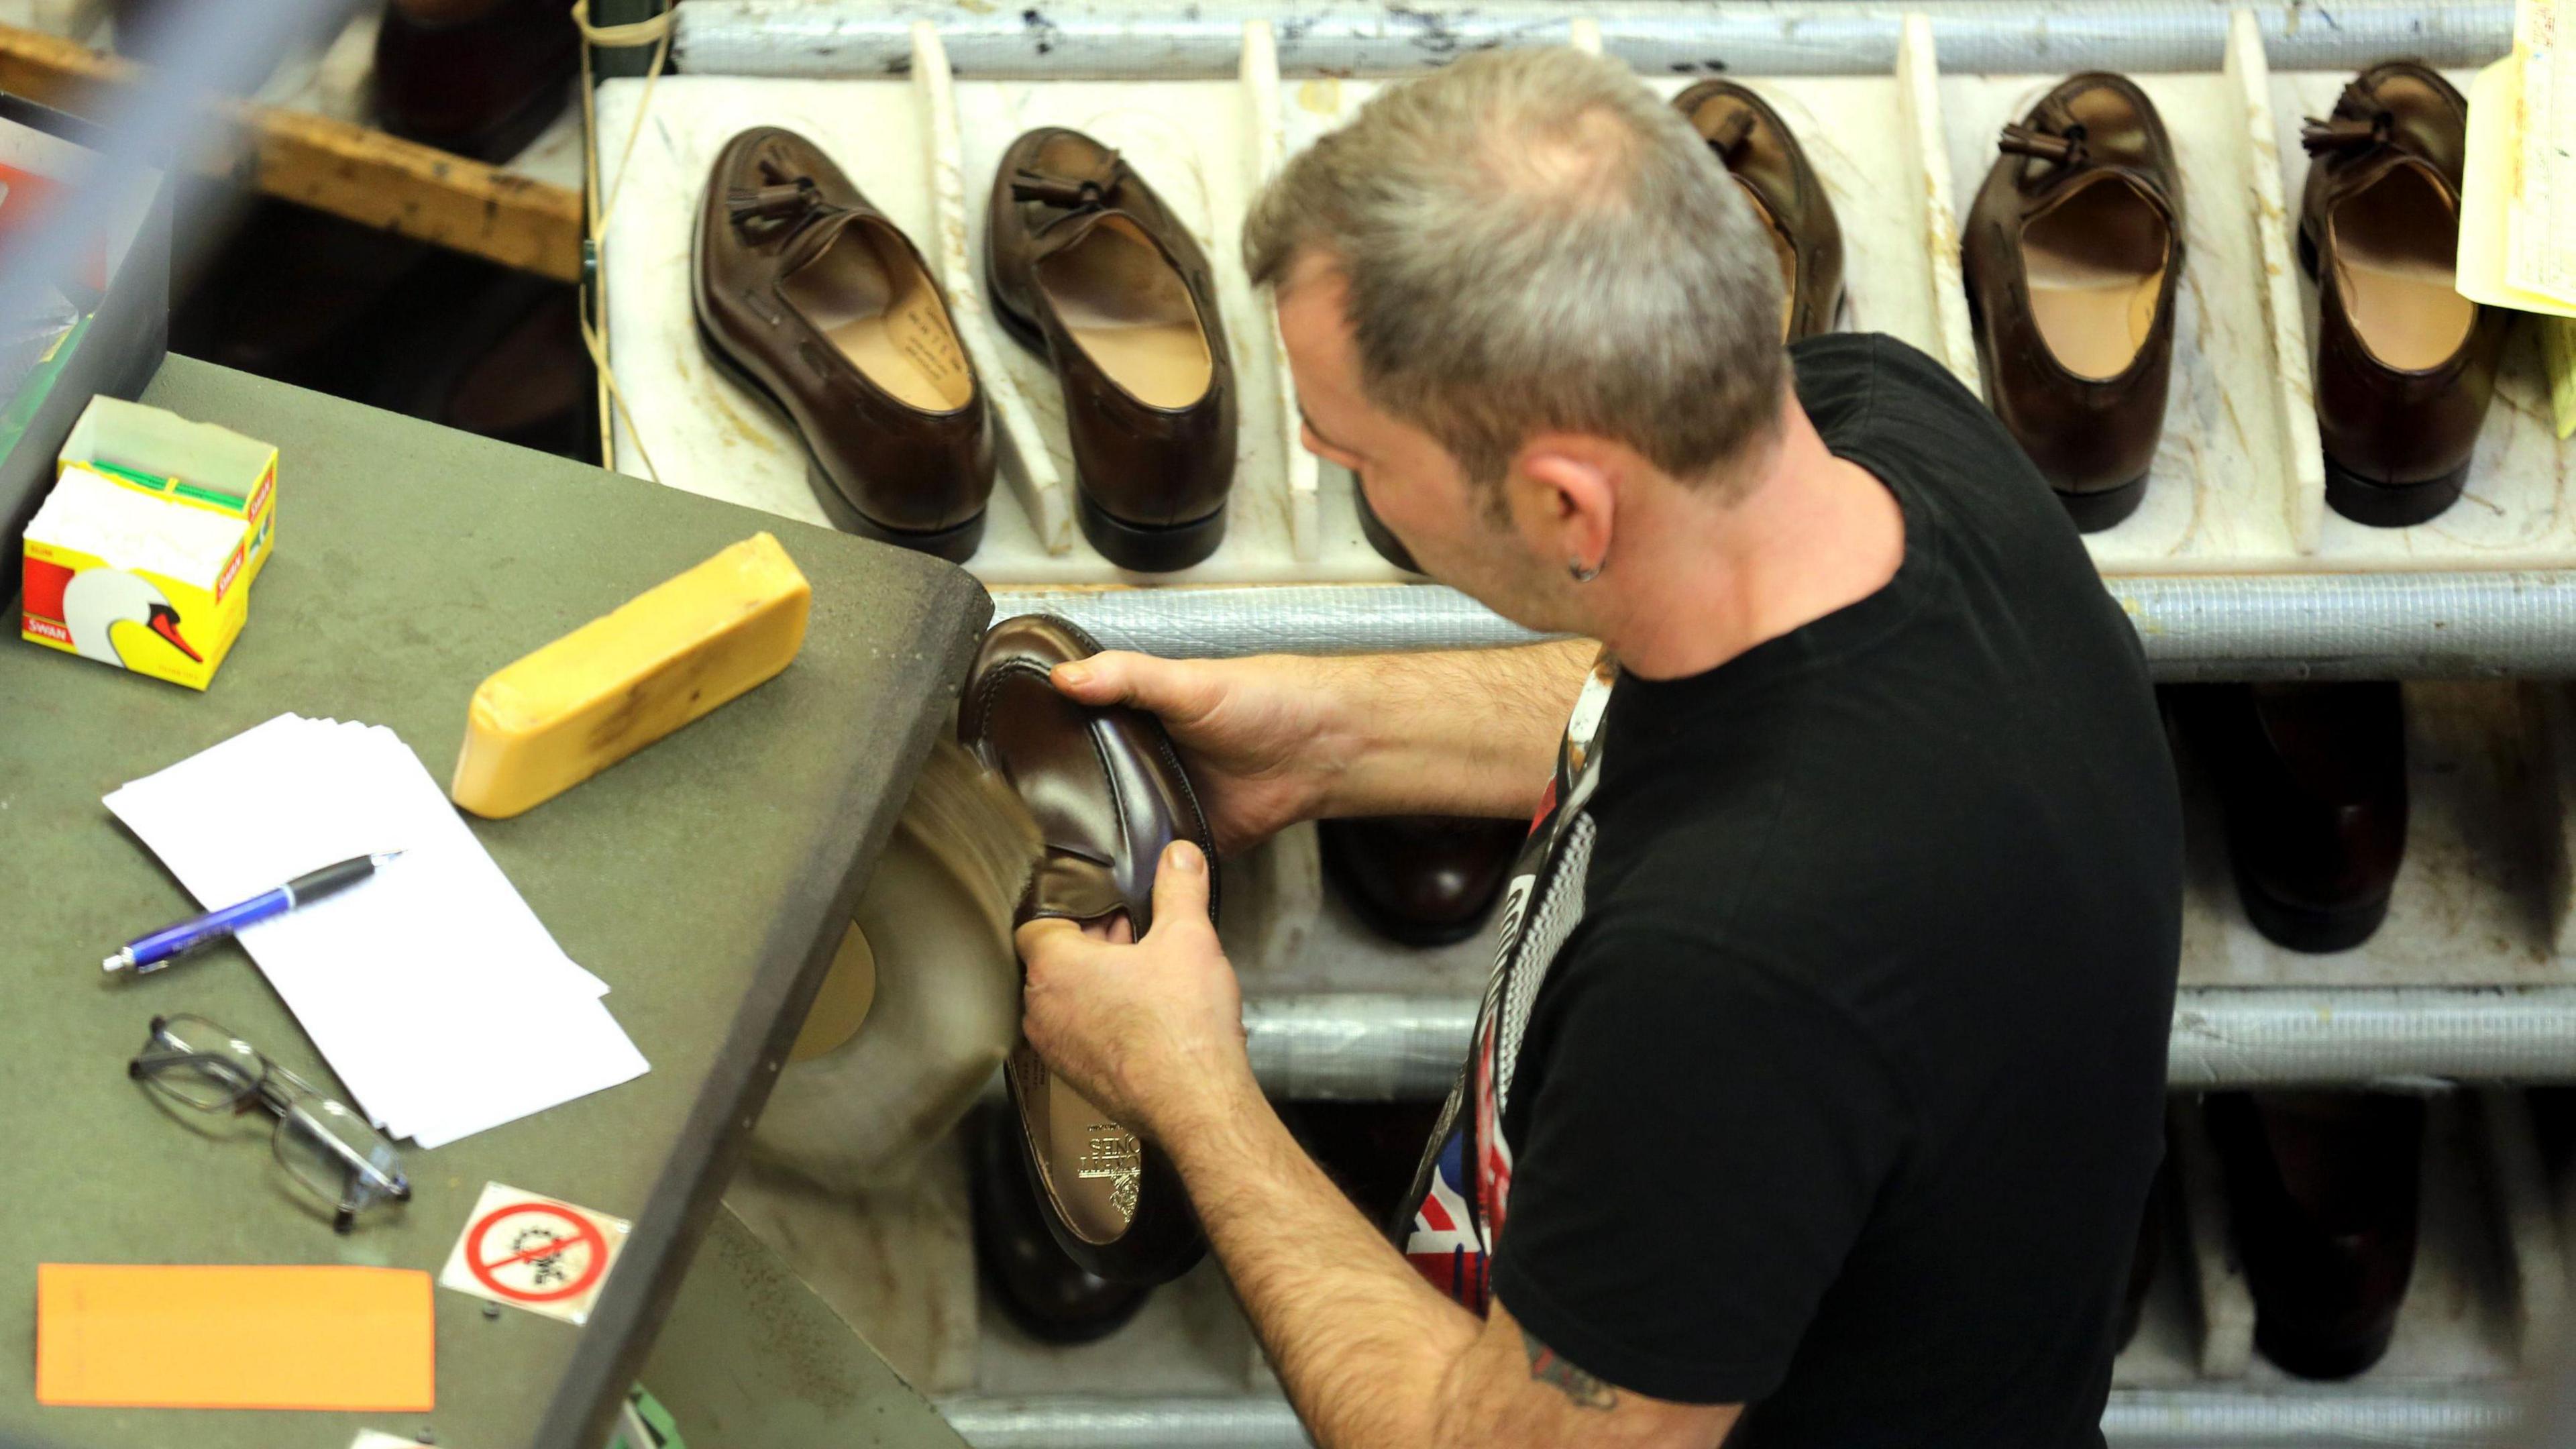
x: 143, y: 555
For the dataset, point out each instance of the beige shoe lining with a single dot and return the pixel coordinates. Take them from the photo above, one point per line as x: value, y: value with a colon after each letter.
x: 868, y: 295
x: 2395, y: 243
x: 1131, y: 314
x: 2096, y: 267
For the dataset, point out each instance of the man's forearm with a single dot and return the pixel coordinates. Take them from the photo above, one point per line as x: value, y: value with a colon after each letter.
x: 1455, y: 732
x: 1362, y: 1342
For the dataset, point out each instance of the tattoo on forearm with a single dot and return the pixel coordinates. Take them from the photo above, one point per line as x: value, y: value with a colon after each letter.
x: 1580, y: 1389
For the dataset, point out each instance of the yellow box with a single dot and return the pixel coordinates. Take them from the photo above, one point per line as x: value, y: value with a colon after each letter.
x: 144, y: 554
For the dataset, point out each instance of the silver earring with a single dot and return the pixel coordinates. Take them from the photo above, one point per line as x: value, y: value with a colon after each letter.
x: 1583, y: 574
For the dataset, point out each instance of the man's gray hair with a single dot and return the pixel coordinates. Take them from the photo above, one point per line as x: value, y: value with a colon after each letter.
x: 1532, y: 241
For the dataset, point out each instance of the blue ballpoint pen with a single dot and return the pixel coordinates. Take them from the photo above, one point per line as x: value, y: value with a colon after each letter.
x: 151, y: 953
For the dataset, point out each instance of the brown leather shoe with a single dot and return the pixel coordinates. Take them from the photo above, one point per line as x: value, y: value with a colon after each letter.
x: 2323, y: 1199
x: 1421, y: 880
x: 2313, y: 780
x: 1108, y: 794
x: 811, y: 299
x: 478, y: 80
x: 2073, y: 252
x: 1049, y: 1296
x: 1766, y: 160
x: 1087, y: 268
x: 2405, y: 364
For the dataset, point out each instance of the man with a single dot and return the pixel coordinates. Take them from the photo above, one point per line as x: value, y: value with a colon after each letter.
x: 1820, y: 1087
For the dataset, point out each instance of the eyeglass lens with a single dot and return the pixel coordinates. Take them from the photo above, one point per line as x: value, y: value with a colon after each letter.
x: 226, y: 1069
x: 320, y: 1142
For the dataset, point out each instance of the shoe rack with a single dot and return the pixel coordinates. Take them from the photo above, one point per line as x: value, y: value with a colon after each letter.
x: 2233, y: 569
x: 2238, y: 486
x: 924, y: 147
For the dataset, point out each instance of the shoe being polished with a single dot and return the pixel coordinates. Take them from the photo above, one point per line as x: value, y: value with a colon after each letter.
x: 1087, y: 268
x: 812, y: 300
x: 1421, y: 880
x: 1108, y: 794
x: 2313, y: 781
x: 1770, y: 166
x: 2073, y: 254
x: 2322, y: 1193
x: 2405, y: 364
x: 1052, y: 1298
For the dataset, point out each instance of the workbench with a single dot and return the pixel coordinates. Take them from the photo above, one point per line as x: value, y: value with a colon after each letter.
x: 705, y: 880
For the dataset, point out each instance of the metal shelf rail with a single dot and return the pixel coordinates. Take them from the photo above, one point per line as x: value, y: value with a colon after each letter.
x: 2250, y: 1418
x: 1168, y: 40
x: 2288, y: 626
x: 1368, y: 1047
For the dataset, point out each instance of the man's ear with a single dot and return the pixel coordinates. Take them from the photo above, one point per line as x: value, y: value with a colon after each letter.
x: 1564, y: 497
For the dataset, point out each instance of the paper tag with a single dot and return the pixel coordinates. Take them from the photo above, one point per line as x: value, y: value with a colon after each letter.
x: 534, y: 1252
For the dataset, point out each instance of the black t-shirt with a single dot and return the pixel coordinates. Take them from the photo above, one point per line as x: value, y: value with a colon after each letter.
x: 1842, y: 1093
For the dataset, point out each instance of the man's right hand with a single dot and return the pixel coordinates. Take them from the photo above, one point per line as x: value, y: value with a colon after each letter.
x: 1255, y: 734
x: 1279, y: 738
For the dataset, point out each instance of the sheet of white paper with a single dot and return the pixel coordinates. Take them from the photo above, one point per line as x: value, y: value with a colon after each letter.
x: 422, y: 985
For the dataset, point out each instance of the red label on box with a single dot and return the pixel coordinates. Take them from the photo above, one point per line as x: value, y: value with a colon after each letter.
x: 224, y: 580
x: 45, y: 583
x: 46, y: 629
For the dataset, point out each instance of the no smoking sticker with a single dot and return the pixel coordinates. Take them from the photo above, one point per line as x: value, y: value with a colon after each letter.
x: 534, y: 1253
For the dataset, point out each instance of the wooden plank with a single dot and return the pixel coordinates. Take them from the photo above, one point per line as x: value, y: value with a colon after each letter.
x: 349, y: 171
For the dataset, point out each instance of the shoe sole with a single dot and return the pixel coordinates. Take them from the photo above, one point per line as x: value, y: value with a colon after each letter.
x: 956, y: 544
x: 2308, y: 929
x: 2391, y: 505
x: 1143, y: 548
x: 2293, y: 1351
x: 2096, y: 511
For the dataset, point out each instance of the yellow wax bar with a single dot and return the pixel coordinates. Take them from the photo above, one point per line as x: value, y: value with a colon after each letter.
x: 617, y: 684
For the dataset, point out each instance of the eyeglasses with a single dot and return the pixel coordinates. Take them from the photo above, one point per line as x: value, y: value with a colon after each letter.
x: 327, y: 1148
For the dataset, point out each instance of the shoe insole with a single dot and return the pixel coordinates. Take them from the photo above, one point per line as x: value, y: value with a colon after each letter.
x: 867, y: 294
x: 1130, y: 313
x: 2095, y: 263
x: 2395, y: 243
x: 1090, y: 1166
x: 1781, y: 252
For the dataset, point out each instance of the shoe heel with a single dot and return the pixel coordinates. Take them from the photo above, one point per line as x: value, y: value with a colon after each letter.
x: 2391, y: 505
x: 1141, y: 549
x: 2305, y: 929
x: 2094, y: 512
x: 955, y: 544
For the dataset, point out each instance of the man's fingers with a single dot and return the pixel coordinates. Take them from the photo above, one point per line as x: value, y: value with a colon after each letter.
x: 1181, y: 891
x: 1050, y: 940
x: 1161, y: 687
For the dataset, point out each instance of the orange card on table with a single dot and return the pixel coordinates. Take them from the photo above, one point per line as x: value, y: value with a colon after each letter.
x: 234, y: 1337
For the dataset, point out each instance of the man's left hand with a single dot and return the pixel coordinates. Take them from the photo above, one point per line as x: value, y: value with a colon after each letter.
x: 1149, y: 1030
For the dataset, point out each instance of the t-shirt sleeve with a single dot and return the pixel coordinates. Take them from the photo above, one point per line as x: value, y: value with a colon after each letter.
x: 1703, y: 1149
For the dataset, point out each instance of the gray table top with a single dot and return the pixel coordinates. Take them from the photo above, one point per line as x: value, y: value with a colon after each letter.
x: 703, y: 879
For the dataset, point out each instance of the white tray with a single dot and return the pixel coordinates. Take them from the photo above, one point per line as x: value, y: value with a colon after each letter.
x: 2238, y: 485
